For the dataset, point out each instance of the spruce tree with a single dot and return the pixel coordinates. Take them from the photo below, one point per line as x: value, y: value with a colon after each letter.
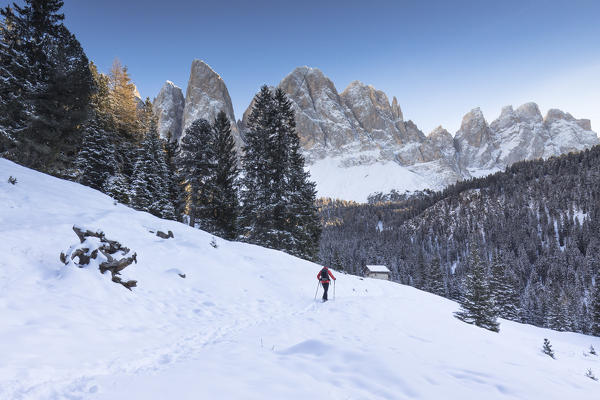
x: 504, y: 293
x: 150, y: 184
x: 175, y: 189
x: 195, y: 163
x: 13, y: 82
x: 477, y: 305
x: 96, y: 159
x: 50, y: 85
x: 297, y: 220
x: 225, y: 198
x: 256, y: 214
x: 595, y: 309
x: 547, y: 348
x: 436, y: 278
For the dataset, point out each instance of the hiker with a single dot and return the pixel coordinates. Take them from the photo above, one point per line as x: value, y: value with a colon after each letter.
x: 323, y: 277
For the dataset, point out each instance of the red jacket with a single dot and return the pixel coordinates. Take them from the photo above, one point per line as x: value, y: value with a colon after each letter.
x: 325, y: 280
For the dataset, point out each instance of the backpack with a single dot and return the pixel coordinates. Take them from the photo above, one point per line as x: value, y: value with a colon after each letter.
x: 324, y: 275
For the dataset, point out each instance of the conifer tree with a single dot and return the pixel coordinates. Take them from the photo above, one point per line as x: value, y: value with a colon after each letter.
x: 118, y: 188
x: 296, y: 214
x: 175, y: 189
x: 278, y: 199
x: 595, y: 309
x: 477, y: 305
x: 123, y: 104
x: 48, y: 83
x: 195, y: 163
x: 150, y: 185
x: 255, y: 193
x: 225, y: 198
x: 547, y: 348
x: 96, y: 160
x: 436, y: 278
x: 504, y: 293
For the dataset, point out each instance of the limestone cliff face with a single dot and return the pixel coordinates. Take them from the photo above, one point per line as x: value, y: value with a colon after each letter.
x: 205, y: 96
x: 359, y: 128
x: 323, y: 122
x: 168, y: 107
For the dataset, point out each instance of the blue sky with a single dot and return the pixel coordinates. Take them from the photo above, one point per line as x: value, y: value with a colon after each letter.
x: 439, y: 58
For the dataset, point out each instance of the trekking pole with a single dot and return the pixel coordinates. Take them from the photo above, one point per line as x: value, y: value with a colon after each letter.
x: 316, y: 291
x: 334, y: 289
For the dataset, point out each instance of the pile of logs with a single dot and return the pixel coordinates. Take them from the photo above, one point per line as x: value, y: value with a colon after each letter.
x: 113, y: 254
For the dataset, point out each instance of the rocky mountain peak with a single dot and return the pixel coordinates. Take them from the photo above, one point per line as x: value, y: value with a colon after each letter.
x: 440, y: 132
x: 205, y: 96
x: 529, y: 112
x: 474, y: 129
x: 507, y: 118
x: 396, y: 111
x: 168, y: 107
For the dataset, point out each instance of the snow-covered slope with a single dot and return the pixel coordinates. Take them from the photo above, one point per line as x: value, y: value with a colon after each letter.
x: 242, y: 324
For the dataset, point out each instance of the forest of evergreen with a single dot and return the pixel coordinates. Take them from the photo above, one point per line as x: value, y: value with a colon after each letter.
x: 539, y: 220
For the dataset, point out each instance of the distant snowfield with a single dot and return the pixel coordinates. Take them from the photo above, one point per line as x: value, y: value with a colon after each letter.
x: 356, y: 183
x: 242, y: 324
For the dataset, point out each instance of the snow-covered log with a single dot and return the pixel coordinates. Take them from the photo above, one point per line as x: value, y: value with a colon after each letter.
x: 95, y: 249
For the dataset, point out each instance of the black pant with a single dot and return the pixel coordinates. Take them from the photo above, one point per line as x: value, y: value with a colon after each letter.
x: 325, y: 287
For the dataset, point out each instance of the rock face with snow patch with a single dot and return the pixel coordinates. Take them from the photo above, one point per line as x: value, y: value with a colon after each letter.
x: 168, y: 106
x: 348, y: 133
x: 206, y: 95
x: 359, y: 128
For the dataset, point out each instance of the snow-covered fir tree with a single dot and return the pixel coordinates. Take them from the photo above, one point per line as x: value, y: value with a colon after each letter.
x: 175, y: 187
x: 49, y: 83
x: 435, y: 282
x: 277, y: 197
x: 150, y: 181
x: 300, y: 227
x: 547, y: 348
x: 96, y: 159
x: 506, y: 298
x: 595, y: 309
x: 477, y: 304
x: 225, y: 198
x: 256, y: 217
x: 195, y: 163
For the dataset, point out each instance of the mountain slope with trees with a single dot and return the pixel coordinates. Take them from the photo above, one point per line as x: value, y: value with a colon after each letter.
x: 538, y: 220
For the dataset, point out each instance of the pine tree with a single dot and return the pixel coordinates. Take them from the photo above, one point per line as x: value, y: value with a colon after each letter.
x: 477, y: 305
x: 505, y: 295
x: 256, y: 216
x: 123, y: 104
x: 175, y: 188
x: 150, y: 177
x: 595, y: 309
x: 96, y: 160
x: 300, y: 228
x: 436, y: 278
x: 278, y: 199
x: 118, y: 188
x: 195, y: 163
x: 547, y: 348
x: 13, y: 73
x: 49, y: 83
x: 225, y: 198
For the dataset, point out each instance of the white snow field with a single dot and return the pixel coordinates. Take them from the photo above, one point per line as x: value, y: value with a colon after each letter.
x: 243, y: 324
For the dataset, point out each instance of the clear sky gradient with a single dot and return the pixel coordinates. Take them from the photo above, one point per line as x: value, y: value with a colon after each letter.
x: 439, y: 58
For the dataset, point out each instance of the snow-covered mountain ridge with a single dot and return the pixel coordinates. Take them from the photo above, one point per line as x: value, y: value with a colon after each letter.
x: 357, y: 142
x: 242, y: 324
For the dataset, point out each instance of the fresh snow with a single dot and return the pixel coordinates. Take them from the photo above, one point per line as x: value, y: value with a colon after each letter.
x: 357, y: 182
x: 243, y: 324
